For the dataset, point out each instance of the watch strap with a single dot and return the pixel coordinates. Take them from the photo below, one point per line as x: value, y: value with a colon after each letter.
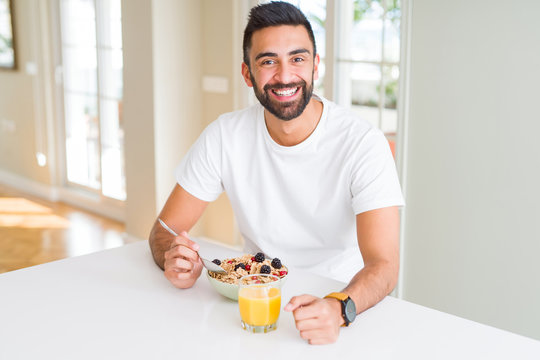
x: 337, y: 295
x: 342, y: 298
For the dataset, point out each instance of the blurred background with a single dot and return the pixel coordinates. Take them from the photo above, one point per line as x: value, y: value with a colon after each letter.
x: 101, y: 99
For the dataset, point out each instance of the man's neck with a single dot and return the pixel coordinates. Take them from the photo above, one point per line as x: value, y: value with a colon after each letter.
x: 293, y: 132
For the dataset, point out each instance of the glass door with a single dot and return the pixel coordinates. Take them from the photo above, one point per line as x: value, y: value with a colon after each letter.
x: 91, y: 33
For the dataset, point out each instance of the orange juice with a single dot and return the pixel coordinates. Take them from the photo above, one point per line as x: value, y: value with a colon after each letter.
x: 259, y: 306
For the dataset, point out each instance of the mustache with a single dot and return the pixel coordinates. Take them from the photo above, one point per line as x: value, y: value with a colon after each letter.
x: 284, y: 86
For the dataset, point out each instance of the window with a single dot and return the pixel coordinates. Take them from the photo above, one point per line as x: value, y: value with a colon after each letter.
x: 7, y: 49
x: 91, y: 34
x: 367, y: 61
x: 360, y: 67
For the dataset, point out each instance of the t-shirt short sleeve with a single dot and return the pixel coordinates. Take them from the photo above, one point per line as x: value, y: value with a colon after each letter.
x: 199, y: 172
x: 374, y: 180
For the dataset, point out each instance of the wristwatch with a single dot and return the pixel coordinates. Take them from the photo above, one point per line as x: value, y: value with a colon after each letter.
x: 348, y: 309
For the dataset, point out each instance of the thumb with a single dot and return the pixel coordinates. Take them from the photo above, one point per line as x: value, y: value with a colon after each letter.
x: 190, y: 243
x: 299, y: 301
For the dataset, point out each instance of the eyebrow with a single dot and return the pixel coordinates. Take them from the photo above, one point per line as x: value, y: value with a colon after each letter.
x: 272, y: 54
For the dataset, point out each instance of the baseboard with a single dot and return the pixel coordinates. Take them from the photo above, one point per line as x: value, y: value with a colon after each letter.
x: 92, y: 203
x: 73, y: 197
x: 28, y: 186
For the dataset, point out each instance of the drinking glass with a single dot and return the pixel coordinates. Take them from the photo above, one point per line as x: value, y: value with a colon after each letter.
x: 259, y: 299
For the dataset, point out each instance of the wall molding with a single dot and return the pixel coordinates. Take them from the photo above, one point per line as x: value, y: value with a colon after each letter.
x: 90, y: 202
x: 31, y: 187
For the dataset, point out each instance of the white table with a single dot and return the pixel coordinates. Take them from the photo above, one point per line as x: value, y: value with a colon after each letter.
x: 116, y: 304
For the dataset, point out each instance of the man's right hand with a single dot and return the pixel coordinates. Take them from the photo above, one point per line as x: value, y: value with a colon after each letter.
x: 182, y: 265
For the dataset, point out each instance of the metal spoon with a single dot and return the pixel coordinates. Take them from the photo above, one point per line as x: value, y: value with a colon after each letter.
x: 207, y: 263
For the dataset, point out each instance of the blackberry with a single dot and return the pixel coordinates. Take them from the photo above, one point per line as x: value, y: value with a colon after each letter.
x: 276, y: 263
x: 265, y: 269
x: 259, y: 257
x: 241, y: 265
x: 216, y: 261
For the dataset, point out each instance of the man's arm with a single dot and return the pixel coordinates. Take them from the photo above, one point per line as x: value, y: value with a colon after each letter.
x: 177, y: 256
x: 319, y: 320
x: 378, y: 239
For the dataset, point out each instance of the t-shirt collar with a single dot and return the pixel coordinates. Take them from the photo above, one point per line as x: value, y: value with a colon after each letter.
x: 311, y: 139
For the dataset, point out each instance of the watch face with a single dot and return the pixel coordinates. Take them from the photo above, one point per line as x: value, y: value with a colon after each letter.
x: 350, y: 310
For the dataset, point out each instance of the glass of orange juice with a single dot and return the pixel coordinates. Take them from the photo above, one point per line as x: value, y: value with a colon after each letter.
x: 259, y: 299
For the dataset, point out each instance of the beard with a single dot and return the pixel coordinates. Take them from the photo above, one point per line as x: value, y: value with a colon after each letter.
x: 284, y: 110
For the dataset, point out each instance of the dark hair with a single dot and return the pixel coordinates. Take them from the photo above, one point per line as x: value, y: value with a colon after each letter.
x: 273, y: 14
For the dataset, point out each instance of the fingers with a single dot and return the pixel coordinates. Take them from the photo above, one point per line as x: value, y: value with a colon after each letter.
x: 321, y: 339
x: 318, y: 320
x: 179, y: 264
x: 181, y: 251
x: 190, y: 243
x: 183, y: 239
x: 176, y: 277
x: 319, y: 336
x: 310, y: 311
x: 183, y: 280
x: 182, y: 246
x: 298, y: 301
x: 182, y: 263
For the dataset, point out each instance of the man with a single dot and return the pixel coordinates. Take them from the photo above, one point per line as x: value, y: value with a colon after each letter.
x: 308, y: 181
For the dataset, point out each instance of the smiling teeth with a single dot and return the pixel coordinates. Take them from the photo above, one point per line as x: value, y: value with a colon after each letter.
x: 285, y: 92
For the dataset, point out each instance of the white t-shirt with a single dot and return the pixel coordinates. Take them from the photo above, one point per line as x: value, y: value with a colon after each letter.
x: 297, y: 203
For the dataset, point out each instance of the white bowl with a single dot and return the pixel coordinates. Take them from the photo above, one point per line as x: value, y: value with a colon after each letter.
x: 231, y: 290
x: 225, y: 289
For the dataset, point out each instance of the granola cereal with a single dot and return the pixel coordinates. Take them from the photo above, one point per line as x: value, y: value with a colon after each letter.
x: 248, y: 265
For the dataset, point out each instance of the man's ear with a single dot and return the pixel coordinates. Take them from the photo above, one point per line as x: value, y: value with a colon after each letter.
x: 246, y: 74
x: 316, y: 61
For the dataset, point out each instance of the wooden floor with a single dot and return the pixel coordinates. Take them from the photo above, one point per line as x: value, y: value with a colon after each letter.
x: 34, y: 231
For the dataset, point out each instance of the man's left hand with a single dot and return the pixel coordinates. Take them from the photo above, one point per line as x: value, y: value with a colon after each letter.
x: 318, y: 320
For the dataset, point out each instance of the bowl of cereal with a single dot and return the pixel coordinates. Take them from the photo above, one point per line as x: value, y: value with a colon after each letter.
x: 227, y: 284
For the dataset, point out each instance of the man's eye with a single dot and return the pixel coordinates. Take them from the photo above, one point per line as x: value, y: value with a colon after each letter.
x: 268, y: 62
x: 298, y: 59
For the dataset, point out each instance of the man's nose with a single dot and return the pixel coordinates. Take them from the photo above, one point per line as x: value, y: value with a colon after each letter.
x: 284, y: 73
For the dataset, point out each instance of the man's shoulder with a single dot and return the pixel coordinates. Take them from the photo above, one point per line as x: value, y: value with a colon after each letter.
x: 233, y: 124
x: 341, y: 118
x: 243, y: 116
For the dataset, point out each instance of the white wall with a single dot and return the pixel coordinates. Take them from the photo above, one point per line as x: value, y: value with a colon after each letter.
x: 472, y: 239
x: 221, y: 45
x: 177, y: 86
x: 139, y: 113
x: 25, y: 107
x: 162, y: 100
